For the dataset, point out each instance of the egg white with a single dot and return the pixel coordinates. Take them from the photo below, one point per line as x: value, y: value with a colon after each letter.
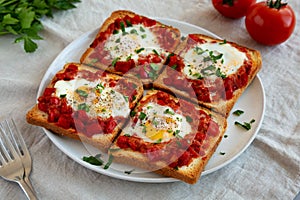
x: 105, y: 104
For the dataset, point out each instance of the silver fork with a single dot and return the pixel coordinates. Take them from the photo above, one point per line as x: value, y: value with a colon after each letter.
x: 15, y: 160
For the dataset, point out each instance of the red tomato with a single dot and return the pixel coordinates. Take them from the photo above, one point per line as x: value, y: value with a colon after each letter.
x: 232, y: 8
x: 270, y: 25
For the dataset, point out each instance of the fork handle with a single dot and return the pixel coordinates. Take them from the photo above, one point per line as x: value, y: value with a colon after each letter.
x: 27, y: 190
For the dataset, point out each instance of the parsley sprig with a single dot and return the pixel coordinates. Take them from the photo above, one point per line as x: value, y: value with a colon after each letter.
x: 22, y: 18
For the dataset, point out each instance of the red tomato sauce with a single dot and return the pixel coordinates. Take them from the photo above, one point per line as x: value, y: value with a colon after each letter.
x: 220, y: 89
x: 63, y: 115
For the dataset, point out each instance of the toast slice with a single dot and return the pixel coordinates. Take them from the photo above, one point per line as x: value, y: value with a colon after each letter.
x: 87, y: 104
x: 212, y: 72
x: 169, y: 136
x: 128, y: 43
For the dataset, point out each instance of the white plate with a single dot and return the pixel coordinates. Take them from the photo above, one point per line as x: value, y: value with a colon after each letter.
x: 236, y: 142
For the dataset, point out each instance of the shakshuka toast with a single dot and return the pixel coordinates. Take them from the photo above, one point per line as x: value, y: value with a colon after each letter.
x: 128, y: 43
x: 87, y: 104
x: 169, y: 136
x: 175, y: 127
x: 209, y: 71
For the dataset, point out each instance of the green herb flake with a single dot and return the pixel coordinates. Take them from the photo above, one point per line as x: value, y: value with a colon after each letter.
x: 122, y: 25
x: 81, y: 93
x: 84, y: 106
x: 238, y: 112
x: 129, y: 171
x: 142, y: 116
x: 62, y: 95
x: 143, y: 36
x: 93, y: 160
x: 220, y: 74
x: 128, y: 23
x: 126, y: 98
x: 155, y: 52
x: 132, y: 113
x: 245, y: 125
x: 113, y: 63
x: 222, y: 153
x: 142, y: 29
x: 158, y: 141
x: 134, y: 31
x: 115, y: 32
x: 109, y: 162
x: 168, y: 111
x: 189, y: 119
x: 139, y: 50
x: 223, y: 42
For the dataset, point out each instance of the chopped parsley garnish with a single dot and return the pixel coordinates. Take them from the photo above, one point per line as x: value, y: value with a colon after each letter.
x: 142, y: 29
x: 113, y: 63
x: 99, y: 87
x: 238, y: 112
x: 176, y: 134
x: 110, y: 160
x: 189, y: 119
x: 222, y: 153
x: 174, y: 67
x: 245, y: 125
x: 62, y: 95
x: 220, y: 74
x: 132, y: 113
x: 129, y: 171
x: 115, y: 32
x: 143, y: 36
x: 133, y: 31
x: 139, y: 50
x: 142, y: 116
x: 168, y: 111
x: 122, y: 25
x: 224, y: 42
x: 93, y: 160
x: 213, y: 57
x: 81, y: 93
x: 126, y: 98
x: 84, y: 106
x: 158, y: 141
x: 118, y: 40
x: 154, y: 51
x: 199, y: 50
x: 128, y: 23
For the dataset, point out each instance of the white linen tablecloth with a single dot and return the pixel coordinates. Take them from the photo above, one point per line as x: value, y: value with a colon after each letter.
x: 268, y: 169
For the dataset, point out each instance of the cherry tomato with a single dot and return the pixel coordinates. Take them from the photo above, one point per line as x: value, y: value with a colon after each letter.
x: 232, y: 8
x: 270, y: 22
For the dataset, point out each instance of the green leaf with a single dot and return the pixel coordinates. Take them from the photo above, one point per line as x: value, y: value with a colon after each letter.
x: 8, y: 19
x: 93, y: 160
x: 26, y: 18
x: 29, y: 45
x: 238, y: 112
